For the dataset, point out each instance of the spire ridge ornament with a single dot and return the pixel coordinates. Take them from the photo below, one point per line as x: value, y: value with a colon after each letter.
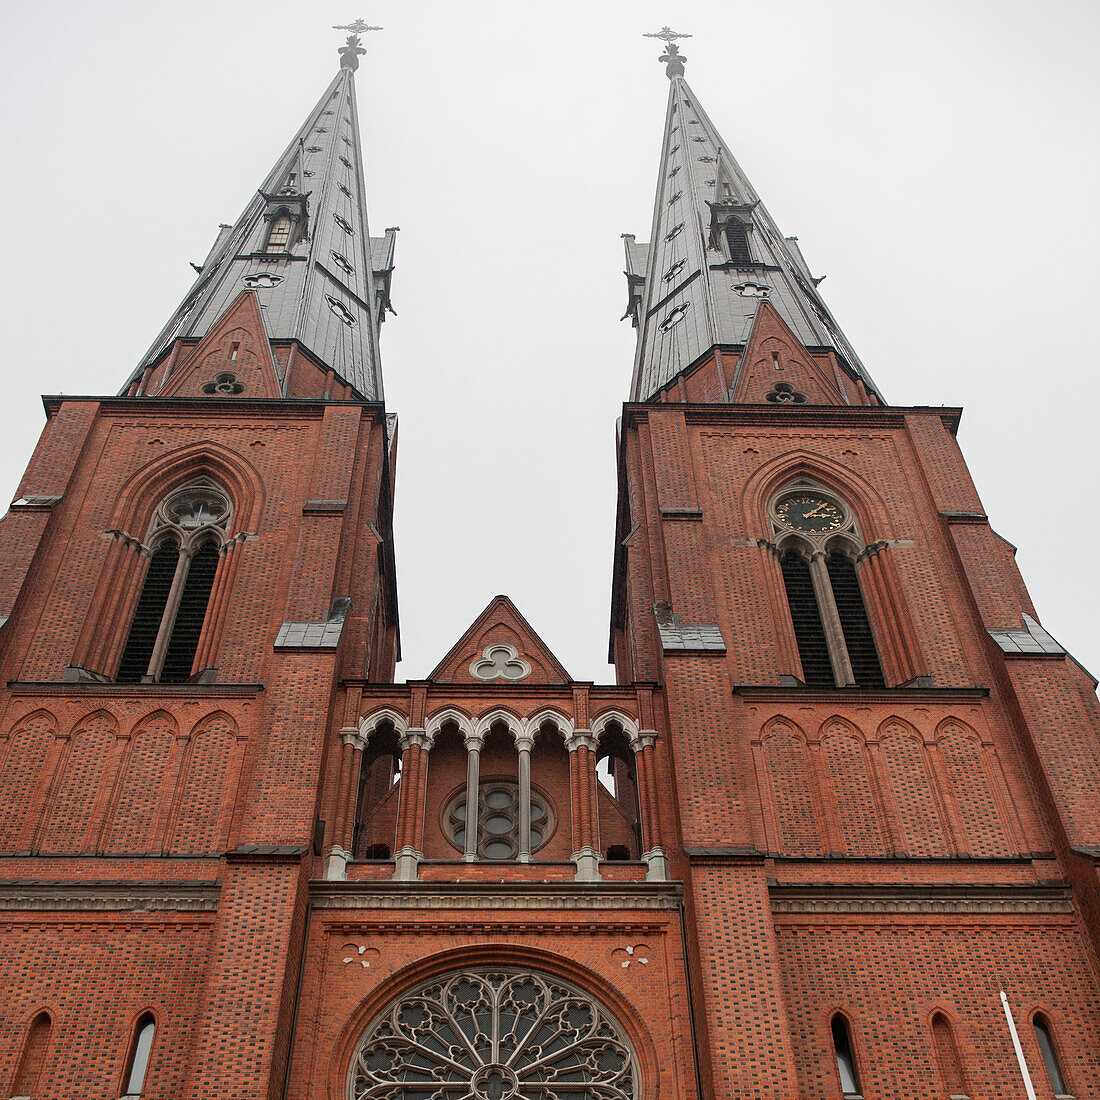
x: 672, y: 58
x: 352, y: 50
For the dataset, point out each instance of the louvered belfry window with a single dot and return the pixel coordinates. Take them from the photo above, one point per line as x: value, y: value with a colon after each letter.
x: 809, y: 632
x: 820, y: 545
x: 737, y: 240
x: 278, y: 237
x: 854, y: 622
x: 150, y: 610
x: 184, y: 639
x: 188, y: 530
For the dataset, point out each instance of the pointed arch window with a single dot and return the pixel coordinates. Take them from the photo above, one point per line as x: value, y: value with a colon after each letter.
x: 737, y: 242
x: 947, y: 1056
x: 33, y: 1058
x: 845, y: 1056
x: 278, y: 235
x: 186, y: 536
x: 818, y: 545
x: 1045, y: 1039
x: 141, y: 1047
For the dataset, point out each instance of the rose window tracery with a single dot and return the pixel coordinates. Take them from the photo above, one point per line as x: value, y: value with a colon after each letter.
x: 493, y: 1034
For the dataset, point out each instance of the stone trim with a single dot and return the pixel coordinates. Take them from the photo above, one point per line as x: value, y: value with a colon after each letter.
x: 428, y: 896
x: 923, y: 900
x: 39, y: 894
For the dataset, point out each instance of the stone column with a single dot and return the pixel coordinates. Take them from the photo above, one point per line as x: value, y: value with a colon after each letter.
x: 582, y: 777
x: 168, y: 618
x: 656, y: 861
x: 415, y: 745
x: 473, y: 797
x: 524, y: 743
x: 830, y: 620
x: 351, y: 758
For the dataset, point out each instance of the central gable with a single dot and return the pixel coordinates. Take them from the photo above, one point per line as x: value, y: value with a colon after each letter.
x: 500, y: 647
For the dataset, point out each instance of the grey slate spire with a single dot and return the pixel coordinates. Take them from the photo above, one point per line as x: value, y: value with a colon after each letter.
x: 329, y: 288
x: 715, y: 255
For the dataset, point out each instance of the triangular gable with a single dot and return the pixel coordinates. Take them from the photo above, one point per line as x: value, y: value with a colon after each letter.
x: 503, y: 648
x: 232, y: 360
x: 771, y: 342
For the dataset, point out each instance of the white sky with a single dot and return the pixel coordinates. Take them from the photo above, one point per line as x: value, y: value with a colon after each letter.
x: 938, y: 161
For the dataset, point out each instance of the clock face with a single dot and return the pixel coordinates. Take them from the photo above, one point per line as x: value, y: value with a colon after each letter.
x: 809, y: 512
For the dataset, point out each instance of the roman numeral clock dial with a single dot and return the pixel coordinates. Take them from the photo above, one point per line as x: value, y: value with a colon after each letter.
x: 809, y: 512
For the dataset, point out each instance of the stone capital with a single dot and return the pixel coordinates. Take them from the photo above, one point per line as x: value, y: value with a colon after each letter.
x: 643, y: 739
x: 582, y: 739
x: 416, y: 736
x: 525, y: 742
x: 474, y: 742
x: 351, y: 736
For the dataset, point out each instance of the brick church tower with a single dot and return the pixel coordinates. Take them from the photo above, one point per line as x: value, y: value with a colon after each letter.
x: 844, y: 792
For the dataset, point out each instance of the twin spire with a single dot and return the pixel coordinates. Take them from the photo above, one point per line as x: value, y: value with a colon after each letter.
x: 304, y: 247
x: 717, y: 264
x: 715, y: 257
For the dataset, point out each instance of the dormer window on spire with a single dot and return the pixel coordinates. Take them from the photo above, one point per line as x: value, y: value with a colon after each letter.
x: 278, y: 236
x: 737, y: 242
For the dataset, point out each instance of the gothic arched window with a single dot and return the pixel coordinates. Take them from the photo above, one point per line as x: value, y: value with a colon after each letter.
x: 1050, y: 1056
x: 947, y: 1055
x: 33, y: 1059
x: 140, y: 1049
x: 845, y: 1056
x: 737, y: 241
x: 186, y: 534
x: 494, y: 1034
x: 818, y: 542
x: 278, y: 235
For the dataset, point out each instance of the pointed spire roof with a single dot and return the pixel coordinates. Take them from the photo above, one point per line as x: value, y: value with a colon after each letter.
x: 326, y: 289
x: 690, y: 291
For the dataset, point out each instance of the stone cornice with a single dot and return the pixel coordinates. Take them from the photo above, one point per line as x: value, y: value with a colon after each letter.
x: 924, y: 900
x: 131, y: 897
x: 779, y: 693
x: 840, y: 416
x: 143, y: 692
x: 436, y: 896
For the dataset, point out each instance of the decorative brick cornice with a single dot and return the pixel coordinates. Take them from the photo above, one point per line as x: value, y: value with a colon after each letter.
x: 431, y: 896
x: 924, y: 900
x: 132, y: 897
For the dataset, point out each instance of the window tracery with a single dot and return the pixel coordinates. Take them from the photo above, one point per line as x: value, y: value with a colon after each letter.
x: 498, y: 821
x: 818, y: 543
x: 494, y: 1035
x: 186, y: 535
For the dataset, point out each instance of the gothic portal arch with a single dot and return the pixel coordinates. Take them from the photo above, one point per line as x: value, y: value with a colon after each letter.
x: 494, y: 1033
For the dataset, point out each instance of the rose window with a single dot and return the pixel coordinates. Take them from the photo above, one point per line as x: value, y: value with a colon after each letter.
x: 498, y: 821
x: 493, y: 1035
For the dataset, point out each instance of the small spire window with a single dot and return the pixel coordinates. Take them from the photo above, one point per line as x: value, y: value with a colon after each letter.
x: 278, y: 236
x: 140, y: 1049
x: 737, y: 241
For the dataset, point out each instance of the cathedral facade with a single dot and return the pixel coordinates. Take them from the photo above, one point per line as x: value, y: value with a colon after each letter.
x: 833, y: 832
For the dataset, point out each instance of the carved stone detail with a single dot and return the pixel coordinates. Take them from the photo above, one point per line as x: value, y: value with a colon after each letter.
x: 186, y: 897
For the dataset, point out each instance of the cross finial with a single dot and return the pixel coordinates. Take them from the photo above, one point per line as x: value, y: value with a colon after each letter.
x: 358, y: 27
x: 352, y: 50
x: 673, y: 59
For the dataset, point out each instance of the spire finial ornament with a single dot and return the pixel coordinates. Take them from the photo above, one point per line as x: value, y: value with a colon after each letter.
x: 673, y: 59
x: 352, y: 50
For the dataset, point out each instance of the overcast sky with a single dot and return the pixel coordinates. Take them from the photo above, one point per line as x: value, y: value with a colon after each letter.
x: 937, y: 160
